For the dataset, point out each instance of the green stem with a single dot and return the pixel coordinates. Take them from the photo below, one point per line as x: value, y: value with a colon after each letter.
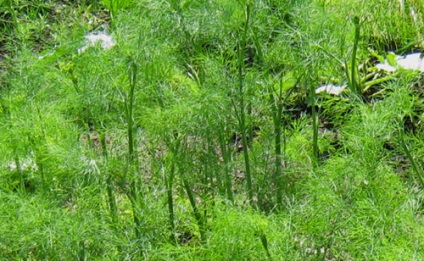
x: 353, y: 80
x: 169, y: 180
x: 405, y: 148
x: 111, y: 199
x: 369, y: 84
x: 109, y: 183
x: 315, y: 127
x: 242, y: 114
x: 129, y: 110
x: 276, y: 107
x: 190, y: 193
x: 226, y: 156
x: 132, y: 167
x: 264, y: 242
x: 210, y: 166
x: 169, y: 186
x: 279, y: 136
x: 197, y: 215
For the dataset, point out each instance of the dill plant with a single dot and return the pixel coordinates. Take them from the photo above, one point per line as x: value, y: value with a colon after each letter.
x: 278, y: 96
x: 239, y: 107
x: 167, y: 165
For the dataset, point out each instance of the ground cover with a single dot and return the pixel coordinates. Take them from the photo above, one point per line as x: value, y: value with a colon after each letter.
x: 197, y: 130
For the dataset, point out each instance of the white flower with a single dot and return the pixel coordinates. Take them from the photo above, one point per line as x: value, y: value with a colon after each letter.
x: 106, y: 41
x: 331, y: 89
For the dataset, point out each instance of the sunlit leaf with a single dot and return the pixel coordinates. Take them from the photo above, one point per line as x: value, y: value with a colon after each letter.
x: 391, y: 58
x: 289, y: 81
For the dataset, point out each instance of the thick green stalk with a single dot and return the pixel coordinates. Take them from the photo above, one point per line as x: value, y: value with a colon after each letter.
x: 355, y: 87
x: 278, y: 154
x: 109, y: 182
x: 241, y: 113
x: 113, y: 208
x: 136, y: 211
x: 169, y: 181
x: 180, y: 159
x: 198, y: 216
x: 129, y: 109
x: 315, y: 125
x: 209, y: 165
x: 169, y: 186
x: 277, y: 107
x: 277, y: 111
x: 132, y: 159
x: 111, y: 199
x: 315, y: 132
x: 226, y: 156
x: 264, y: 242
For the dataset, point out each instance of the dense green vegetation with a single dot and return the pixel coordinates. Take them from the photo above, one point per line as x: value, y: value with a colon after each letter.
x: 199, y: 134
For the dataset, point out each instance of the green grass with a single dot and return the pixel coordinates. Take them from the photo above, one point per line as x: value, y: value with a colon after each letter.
x: 199, y: 135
